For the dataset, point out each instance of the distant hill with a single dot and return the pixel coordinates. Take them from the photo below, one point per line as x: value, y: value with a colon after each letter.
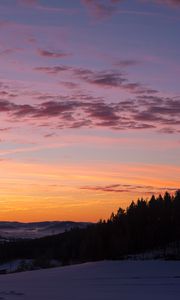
x: 37, y: 229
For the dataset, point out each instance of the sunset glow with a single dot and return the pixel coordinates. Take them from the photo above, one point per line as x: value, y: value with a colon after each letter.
x: 89, y: 106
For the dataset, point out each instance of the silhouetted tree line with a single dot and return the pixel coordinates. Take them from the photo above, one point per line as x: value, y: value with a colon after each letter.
x: 143, y: 226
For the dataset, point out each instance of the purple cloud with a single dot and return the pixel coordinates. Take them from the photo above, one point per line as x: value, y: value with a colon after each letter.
x: 143, y: 112
x: 53, y: 54
x: 5, y: 129
x: 111, y: 79
x: 8, y: 51
x: 100, y: 10
x: 126, y: 188
x: 6, y: 106
x: 124, y: 63
x: 106, y: 78
x: 53, y: 70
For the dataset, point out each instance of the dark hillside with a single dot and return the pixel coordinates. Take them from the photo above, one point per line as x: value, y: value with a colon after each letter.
x: 143, y: 226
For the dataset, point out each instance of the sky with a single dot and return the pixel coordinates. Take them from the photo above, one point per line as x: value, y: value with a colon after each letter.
x: 89, y: 106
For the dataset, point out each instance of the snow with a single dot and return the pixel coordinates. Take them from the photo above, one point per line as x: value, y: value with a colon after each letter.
x: 107, y: 280
x: 18, y: 264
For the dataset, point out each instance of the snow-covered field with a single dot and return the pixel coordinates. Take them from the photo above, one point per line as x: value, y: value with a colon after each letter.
x: 136, y: 280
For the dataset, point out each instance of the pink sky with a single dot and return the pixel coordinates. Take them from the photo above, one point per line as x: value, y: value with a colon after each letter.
x: 90, y: 106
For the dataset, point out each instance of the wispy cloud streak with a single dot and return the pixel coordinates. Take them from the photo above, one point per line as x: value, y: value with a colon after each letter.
x: 53, y: 54
x: 128, y: 188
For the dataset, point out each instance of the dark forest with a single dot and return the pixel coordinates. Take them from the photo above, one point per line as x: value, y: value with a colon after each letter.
x: 143, y: 226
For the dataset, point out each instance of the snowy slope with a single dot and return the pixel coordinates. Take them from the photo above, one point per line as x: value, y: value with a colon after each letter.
x: 136, y: 280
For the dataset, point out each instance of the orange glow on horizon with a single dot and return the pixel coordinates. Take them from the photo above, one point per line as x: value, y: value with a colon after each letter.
x: 38, y: 192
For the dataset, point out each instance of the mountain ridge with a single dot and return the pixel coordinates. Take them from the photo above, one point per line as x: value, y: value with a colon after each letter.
x: 15, y: 229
